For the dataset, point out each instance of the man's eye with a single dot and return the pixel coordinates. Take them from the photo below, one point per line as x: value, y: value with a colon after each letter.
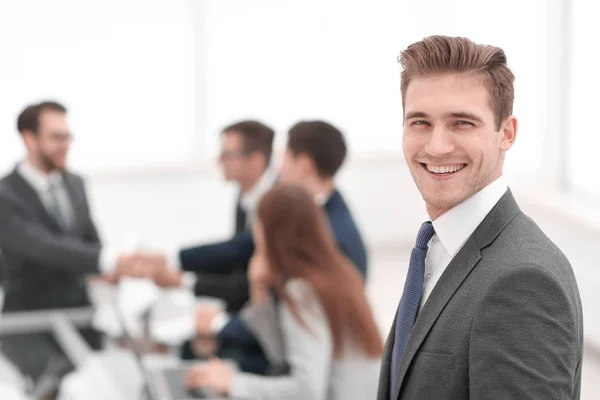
x: 420, y: 123
x: 463, y: 123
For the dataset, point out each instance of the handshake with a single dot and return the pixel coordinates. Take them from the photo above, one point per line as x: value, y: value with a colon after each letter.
x: 142, y: 264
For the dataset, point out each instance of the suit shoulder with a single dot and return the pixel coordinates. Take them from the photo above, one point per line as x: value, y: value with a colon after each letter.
x: 4, y: 184
x: 6, y: 187
x: 523, y: 248
x: 74, y: 177
x: 532, y: 246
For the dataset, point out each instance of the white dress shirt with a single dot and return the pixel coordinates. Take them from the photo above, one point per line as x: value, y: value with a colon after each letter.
x: 41, y: 183
x: 250, y: 199
x: 453, y: 229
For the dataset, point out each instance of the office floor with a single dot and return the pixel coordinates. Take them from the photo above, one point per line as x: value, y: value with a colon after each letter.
x: 386, y: 280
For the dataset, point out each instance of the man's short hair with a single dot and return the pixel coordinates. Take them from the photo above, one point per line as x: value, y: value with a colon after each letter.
x: 320, y: 141
x: 29, y: 119
x: 256, y: 137
x: 444, y: 54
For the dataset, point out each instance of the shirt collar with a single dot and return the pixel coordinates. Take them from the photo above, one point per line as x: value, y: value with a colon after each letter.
x: 321, y: 199
x: 39, y: 180
x: 456, y: 226
x: 249, y: 199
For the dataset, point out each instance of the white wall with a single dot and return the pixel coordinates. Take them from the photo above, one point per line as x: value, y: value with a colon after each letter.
x: 583, y: 133
x: 285, y: 60
x: 125, y: 69
x: 151, y: 82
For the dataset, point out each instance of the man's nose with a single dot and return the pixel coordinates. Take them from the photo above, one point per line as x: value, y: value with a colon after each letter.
x: 440, y: 142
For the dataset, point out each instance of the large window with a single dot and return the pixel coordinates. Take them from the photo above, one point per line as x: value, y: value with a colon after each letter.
x: 125, y: 69
x: 285, y: 60
x: 583, y: 135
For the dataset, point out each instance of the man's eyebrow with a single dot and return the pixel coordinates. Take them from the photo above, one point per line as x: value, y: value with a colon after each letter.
x: 459, y: 114
x: 416, y: 114
x: 464, y: 115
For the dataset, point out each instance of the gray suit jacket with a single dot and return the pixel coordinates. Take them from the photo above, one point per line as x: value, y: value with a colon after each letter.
x: 44, y: 265
x: 503, y: 322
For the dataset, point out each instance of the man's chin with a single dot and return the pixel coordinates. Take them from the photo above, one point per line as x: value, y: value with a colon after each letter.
x: 60, y: 166
x: 441, y: 203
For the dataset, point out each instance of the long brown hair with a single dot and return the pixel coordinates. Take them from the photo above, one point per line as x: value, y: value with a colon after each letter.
x: 299, y: 244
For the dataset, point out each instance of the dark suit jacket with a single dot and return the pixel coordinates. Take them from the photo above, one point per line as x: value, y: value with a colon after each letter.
x: 45, y: 266
x: 224, y: 256
x: 503, y: 322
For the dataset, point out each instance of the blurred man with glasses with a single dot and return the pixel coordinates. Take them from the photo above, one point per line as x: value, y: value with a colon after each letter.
x: 48, y: 239
x: 246, y: 149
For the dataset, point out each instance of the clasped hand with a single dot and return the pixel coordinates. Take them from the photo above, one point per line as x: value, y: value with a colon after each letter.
x: 151, y: 265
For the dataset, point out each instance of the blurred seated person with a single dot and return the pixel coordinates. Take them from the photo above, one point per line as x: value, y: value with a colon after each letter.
x: 328, y: 332
x: 48, y: 239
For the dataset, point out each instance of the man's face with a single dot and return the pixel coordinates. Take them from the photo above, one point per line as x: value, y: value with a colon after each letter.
x: 51, y: 144
x: 450, y: 141
x: 291, y: 169
x: 233, y: 160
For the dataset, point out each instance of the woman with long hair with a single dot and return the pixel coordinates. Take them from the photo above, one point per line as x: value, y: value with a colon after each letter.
x: 332, y: 343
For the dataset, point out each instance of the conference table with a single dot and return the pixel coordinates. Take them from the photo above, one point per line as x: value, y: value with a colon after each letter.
x: 109, y: 374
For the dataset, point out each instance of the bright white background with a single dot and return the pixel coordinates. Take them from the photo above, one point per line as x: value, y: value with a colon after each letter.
x: 125, y: 70
x: 150, y: 83
x: 583, y: 134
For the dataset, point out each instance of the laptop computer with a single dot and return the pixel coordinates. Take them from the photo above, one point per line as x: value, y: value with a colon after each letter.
x: 164, y: 383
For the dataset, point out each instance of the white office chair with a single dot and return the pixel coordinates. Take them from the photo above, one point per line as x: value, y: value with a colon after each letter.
x: 9, y: 392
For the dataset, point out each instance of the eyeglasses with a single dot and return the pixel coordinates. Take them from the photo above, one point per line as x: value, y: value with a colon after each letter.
x: 228, y: 155
x: 60, y: 137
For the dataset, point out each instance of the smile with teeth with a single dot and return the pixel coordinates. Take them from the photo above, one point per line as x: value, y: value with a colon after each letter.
x: 444, y: 169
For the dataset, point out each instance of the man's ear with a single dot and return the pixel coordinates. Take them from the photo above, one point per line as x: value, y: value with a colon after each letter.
x: 256, y: 157
x: 508, y: 133
x: 29, y: 137
x: 305, y: 163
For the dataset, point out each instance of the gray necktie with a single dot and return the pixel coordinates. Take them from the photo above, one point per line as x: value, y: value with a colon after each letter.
x: 56, y: 210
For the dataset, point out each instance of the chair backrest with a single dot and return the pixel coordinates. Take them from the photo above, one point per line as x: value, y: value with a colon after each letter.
x: 263, y: 321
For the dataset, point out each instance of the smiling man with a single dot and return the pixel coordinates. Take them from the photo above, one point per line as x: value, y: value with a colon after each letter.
x: 490, y: 307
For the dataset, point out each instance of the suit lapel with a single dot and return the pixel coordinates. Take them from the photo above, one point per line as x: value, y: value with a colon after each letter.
x: 26, y: 193
x: 383, y: 392
x: 454, y: 275
x: 77, y: 203
x: 456, y: 272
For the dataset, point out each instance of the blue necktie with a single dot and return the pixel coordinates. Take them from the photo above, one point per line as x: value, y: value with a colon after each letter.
x: 411, y: 298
